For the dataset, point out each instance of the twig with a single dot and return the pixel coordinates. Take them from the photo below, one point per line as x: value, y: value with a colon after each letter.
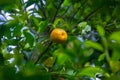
x: 29, y: 22
x: 61, y: 1
x: 92, y: 14
x: 66, y: 11
x: 82, y: 4
x: 48, y: 29
x: 42, y: 9
x: 43, y: 52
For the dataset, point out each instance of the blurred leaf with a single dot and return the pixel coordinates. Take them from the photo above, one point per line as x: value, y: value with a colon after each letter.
x: 71, y: 72
x: 7, y: 2
x: 91, y: 72
x: 49, y: 62
x: 82, y: 24
x: 1, y: 59
x: 101, y: 57
x: 84, y: 27
x: 91, y: 44
x: 29, y: 38
x: 7, y: 72
x: 2, y: 30
x: 36, y: 22
x: 30, y: 71
x: 43, y: 26
x: 61, y: 57
x: 17, y: 30
x: 30, y: 2
x: 115, y: 37
x: 8, y: 5
x: 66, y: 2
x: 115, y: 65
x: 58, y: 22
x: 113, y: 77
x: 116, y: 53
x: 101, y: 31
x: 50, y: 9
x: 19, y: 58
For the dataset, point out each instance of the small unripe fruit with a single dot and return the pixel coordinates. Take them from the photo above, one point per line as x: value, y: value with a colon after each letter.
x: 58, y: 35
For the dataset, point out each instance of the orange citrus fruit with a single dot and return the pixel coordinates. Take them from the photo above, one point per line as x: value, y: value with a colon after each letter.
x: 58, y: 35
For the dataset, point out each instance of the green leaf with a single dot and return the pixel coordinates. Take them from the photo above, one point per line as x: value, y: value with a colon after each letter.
x: 82, y: 24
x: 58, y: 22
x: 17, y: 30
x: 49, y: 62
x: 61, y: 57
x: 95, y: 45
x: 115, y: 65
x: 116, y: 54
x: 71, y: 72
x: 101, y: 57
x: 84, y: 27
x: 66, y: 2
x: 43, y: 26
x: 29, y: 38
x: 101, y: 31
x: 7, y: 2
x: 115, y: 37
x: 91, y: 72
x: 30, y: 2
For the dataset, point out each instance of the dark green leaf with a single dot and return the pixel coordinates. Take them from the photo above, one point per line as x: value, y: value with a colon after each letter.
x: 29, y: 38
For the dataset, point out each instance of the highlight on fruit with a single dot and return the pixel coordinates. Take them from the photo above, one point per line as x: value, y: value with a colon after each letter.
x: 58, y: 35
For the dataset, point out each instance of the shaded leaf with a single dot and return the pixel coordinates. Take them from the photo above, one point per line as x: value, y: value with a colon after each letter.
x: 29, y: 38
x: 43, y: 26
x: 1, y: 59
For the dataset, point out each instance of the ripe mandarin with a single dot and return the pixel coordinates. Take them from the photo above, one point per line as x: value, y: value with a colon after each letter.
x: 58, y: 35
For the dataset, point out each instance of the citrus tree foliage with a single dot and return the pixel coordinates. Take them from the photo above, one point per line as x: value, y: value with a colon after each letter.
x: 91, y: 51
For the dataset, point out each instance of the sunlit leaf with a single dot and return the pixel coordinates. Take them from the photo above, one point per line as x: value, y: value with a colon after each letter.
x: 91, y: 44
x: 82, y: 24
x: 101, y: 57
x: 91, y: 72
x: 58, y: 22
x: 115, y: 37
x: 66, y: 2
x: 101, y: 31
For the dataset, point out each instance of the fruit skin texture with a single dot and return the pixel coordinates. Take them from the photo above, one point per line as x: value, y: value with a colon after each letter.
x: 58, y: 35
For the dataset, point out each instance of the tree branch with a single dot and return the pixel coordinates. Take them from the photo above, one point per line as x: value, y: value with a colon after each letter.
x: 61, y: 1
x: 92, y: 14
x: 66, y: 11
x: 42, y: 9
x: 82, y: 4
x: 43, y: 53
